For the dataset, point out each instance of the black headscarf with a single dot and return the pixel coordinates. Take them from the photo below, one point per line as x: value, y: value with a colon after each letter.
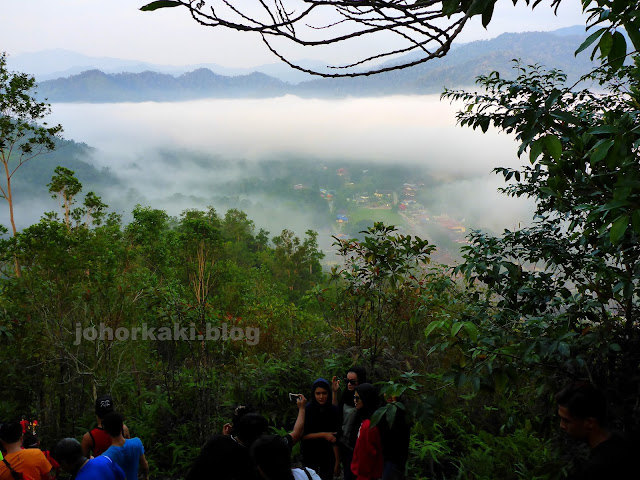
x: 370, y: 401
x: 320, y: 418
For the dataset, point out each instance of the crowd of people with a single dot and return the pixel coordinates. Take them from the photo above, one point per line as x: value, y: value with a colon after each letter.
x: 334, y: 428
x: 106, y: 453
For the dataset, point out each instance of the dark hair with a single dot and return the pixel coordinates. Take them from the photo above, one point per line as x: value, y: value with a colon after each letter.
x: 250, y: 426
x: 271, y: 453
x: 30, y: 440
x: 583, y: 400
x: 240, y: 411
x: 10, y: 432
x: 104, y: 405
x: 67, y: 450
x: 112, y: 423
x: 360, y: 371
x: 370, y: 399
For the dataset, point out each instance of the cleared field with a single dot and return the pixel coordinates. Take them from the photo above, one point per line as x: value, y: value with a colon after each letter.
x: 375, y: 215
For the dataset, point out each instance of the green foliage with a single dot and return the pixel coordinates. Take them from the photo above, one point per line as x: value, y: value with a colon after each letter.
x: 22, y: 137
x: 560, y: 297
x: 372, y: 295
x: 160, y: 4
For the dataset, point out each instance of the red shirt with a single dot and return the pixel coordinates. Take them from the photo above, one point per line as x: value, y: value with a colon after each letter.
x: 367, y: 462
x: 101, y: 441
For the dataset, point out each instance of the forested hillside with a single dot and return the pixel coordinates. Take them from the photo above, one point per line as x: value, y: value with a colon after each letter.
x: 183, y: 318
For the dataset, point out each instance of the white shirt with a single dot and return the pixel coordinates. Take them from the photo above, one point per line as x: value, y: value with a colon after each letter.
x: 299, y: 474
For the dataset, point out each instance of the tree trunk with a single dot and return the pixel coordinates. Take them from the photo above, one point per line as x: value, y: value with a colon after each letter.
x: 11, y: 216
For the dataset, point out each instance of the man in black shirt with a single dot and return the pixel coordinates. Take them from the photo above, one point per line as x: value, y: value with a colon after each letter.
x: 583, y: 415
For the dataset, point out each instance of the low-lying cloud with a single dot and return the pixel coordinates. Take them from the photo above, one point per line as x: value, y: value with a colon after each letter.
x: 221, y: 140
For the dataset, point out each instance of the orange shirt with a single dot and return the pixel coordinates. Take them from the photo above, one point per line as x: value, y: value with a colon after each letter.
x: 31, y: 462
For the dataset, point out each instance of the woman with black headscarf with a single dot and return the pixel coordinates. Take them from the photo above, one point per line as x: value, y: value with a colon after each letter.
x: 367, y: 462
x: 321, y: 426
x: 347, y: 410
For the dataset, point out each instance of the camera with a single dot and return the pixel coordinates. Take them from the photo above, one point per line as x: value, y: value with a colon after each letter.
x: 294, y: 397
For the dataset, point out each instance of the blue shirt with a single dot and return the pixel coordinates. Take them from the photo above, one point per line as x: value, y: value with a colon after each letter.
x: 100, y: 468
x: 127, y: 457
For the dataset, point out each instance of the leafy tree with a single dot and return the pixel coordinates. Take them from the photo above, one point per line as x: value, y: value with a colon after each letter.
x: 21, y: 136
x: 374, y: 288
x: 425, y: 29
x: 296, y: 263
x: 562, y: 295
x: 64, y: 184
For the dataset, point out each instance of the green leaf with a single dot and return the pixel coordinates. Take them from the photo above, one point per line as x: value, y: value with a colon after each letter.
x: 553, y: 146
x: 500, y: 381
x: 472, y: 331
x: 635, y: 221
x: 535, y: 150
x: 487, y: 14
x: 615, y: 347
x: 377, y: 415
x: 633, y: 30
x: 449, y: 7
x: 618, y: 228
x: 564, y: 349
x: 431, y: 327
x: 475, y: 383
x: 590, y: 39
x: 456, y: 328
x: 552, y: 98
x: 618, y: 51
x: 600, y: 151
x: 391, y: 414
x: 479, y: 6
x: 603, y: 129
x: 606, y: 42
x: 160, y: 4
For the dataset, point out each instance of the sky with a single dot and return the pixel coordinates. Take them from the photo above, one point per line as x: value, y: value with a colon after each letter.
x: 117, y: 28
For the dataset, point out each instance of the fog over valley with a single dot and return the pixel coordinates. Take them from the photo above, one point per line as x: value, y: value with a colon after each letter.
x: 253, y: 154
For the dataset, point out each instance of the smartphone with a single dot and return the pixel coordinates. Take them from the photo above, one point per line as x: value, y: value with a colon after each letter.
x: 294, y: 397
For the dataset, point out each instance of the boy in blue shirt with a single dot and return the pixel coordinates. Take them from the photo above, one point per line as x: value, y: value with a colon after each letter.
x: 128, y: 454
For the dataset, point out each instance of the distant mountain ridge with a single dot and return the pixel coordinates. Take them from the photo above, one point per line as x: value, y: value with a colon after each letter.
x: 59, y: 63
x: 457, y: 69
x: 97, y: 86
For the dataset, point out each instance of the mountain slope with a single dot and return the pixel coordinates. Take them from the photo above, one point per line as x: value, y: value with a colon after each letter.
x: 458, y: 69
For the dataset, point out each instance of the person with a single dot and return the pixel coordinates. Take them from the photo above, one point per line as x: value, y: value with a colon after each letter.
x: 271, y: 455
x: 28, y: 463
x: 367, y: 462
x: 322, y: 423
x: 31, y: 440
x: 239, y: 411
x: 395, y: 442
x: 347, y: 410
x: 68, y: 452
x: 228, y: 454
x: 128, y: 454
x: 98, y: 440
x: 582, y: 409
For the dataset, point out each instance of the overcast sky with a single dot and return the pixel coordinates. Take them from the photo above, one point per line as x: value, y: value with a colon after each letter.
x: 117, y: 28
